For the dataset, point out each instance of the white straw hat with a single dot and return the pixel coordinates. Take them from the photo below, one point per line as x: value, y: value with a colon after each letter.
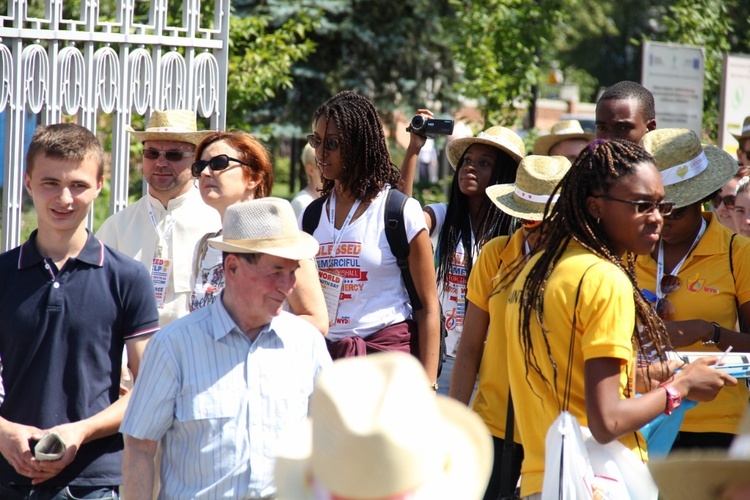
x: 266, y: 225
x: 536, y: 178
x: 376, y: 429
x: 501, y: 138
x: 561, y: 131
x: 701, y: 474
x: 177, y: 125
x: 688, y: 171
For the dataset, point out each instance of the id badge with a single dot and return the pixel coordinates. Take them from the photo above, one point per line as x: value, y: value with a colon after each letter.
x: 331, y: 284
x: 160, y: 270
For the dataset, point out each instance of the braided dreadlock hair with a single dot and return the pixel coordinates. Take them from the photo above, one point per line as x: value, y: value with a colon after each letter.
x: 457, y: 224
x: 599, y: 167
x: 366, y: 162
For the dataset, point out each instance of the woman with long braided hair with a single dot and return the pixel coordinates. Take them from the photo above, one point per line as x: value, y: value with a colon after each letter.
x: 575, y: 311
x: 368, y: 304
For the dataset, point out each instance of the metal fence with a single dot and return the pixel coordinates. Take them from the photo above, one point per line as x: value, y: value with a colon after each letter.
x: 116, y: 62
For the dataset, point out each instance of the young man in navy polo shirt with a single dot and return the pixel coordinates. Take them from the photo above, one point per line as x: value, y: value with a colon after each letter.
x: 68, y: 306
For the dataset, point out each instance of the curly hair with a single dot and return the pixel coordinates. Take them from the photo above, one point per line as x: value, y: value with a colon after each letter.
x: 251, y: 152
x: 365, y: 159
x: 494, y: 222
x: 600, y: 166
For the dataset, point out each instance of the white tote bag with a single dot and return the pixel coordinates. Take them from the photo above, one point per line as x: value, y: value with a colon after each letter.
x: 577, y: 467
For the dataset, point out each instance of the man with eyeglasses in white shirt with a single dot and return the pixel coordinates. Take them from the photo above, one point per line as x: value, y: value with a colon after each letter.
x: 162, y: 229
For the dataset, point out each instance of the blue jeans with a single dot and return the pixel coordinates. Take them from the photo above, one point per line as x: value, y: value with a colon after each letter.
x: 40, y: 492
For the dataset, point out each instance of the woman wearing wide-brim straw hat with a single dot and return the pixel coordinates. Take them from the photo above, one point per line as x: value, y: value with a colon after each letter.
x: 696, y: 282
x: 458, y: 229
x: 484, y: 337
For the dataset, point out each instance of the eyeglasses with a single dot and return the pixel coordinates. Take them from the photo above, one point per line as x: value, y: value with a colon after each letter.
x: 728, y: 201
x: 664, y: 307
x: 219, y: 162
x: 328, y: 144
x: 170, y: 155
x: 676, y: 214
x: 644, y: 207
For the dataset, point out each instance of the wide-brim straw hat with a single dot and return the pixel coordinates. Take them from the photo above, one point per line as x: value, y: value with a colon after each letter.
x: 501, y: 138
x: 745, y: 132
x: 377, y: 429
x: 561, y: 131
x: 536, y: 178
x: 688, y: 171
x: 267, y: 226
x: 701, y: 474
x: 177, y: 125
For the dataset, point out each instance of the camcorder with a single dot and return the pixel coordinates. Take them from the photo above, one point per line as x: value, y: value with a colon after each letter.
x: 430, y: 127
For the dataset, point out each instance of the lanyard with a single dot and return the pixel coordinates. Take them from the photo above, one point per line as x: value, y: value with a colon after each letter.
x: 660, y: 260
x: 332, y: 214
x: 167, y: 231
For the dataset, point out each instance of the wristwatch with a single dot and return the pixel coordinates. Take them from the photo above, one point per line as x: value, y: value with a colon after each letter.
x: 674, y: 398
x: 716, y: 337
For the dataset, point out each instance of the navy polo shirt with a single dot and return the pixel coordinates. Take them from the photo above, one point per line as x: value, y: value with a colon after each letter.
x: 62, y: 333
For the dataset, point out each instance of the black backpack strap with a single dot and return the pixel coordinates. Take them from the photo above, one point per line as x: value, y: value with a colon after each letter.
x: 311, y: 215
x: 395, y: 233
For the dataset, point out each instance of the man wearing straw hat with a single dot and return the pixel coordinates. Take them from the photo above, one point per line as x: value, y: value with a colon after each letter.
x: 743, y: 138
x: 162, y: 229
x: 566, y: 138
x: 625, y: 111
x: 218, y: 386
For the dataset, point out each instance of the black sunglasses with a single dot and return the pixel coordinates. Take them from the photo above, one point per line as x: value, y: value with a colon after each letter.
x: 328, y: 144
x: 728, y: 201
x: 170, y: 155
x: 219, y: 162
x: 644, y: 207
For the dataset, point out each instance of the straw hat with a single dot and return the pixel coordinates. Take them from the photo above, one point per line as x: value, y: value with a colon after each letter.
x: 745, y: 133
x: 561, y: 131
x: 701, y: 474
x: 688, y: 171
x: 499, y: 137
x: 171, y: 125
x: 376, y: 429
x: 536, y: 178
x: 266, y: 225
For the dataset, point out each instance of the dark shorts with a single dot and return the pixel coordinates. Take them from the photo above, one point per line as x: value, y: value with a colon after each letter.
x: 39, y: 492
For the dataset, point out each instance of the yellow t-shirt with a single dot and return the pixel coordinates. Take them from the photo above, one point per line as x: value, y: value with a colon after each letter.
x: 605, y: 322
x: 707, y: 292
x: 491, y: 399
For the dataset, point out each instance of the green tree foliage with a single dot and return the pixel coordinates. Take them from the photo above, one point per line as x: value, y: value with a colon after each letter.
x: 500, y: 47
x: 707, y: 23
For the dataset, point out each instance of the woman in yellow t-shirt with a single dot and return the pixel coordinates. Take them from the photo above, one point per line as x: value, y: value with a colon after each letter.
x: 525, y: 200
x: 610, y: 209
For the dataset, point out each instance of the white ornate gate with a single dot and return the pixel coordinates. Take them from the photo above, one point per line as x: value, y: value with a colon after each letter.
x: 54, y: 66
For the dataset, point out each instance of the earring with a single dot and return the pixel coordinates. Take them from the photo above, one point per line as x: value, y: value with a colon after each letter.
x: 598, y: 220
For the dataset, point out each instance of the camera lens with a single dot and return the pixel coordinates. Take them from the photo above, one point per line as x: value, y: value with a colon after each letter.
x: 417, y: 122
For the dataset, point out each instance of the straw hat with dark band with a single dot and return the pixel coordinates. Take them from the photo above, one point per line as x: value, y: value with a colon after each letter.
x: 177, y: 125
x: 562, y: 131
x: 266, y: 225
x: 501, y: 138
x: 536, y: 178
x: 702, y: 474
x: 745, y: 133
x: 688, y: 171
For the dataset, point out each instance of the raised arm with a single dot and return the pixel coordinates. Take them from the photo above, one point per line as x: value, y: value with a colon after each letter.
x: 409, y: 165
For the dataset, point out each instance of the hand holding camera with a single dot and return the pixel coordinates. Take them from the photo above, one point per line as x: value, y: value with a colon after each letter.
x: 429, y: 127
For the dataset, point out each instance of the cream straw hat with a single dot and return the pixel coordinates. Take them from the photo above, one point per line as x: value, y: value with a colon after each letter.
x: 501, y: 138
x: 688, y: 171
x: 266, y: 225
x: 745, y: 133
x: 701, y: 474
x: 561, y: 131
x: 536, y: 178
x: 171, y: 125
x: 377, y: 429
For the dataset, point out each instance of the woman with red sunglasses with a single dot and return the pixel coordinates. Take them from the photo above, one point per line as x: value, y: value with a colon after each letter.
x: 232, y: 167
x: 698, y: 274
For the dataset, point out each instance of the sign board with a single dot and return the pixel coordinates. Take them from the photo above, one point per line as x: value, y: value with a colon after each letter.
x: 674, y: 74
x: 735, y: 99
